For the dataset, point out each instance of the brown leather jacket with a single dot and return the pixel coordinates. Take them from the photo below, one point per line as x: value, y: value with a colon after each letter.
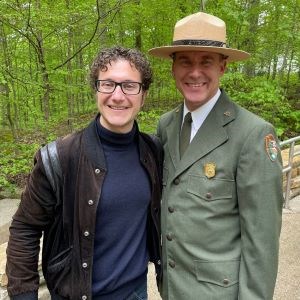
x: 68, y: 223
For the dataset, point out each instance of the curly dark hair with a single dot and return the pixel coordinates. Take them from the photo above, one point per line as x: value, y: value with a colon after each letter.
x: 134, y: 56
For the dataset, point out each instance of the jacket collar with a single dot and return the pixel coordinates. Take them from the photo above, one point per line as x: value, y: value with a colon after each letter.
x: 92, y: 146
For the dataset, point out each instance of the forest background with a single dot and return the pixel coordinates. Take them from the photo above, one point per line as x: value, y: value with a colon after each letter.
x: 47, y: 47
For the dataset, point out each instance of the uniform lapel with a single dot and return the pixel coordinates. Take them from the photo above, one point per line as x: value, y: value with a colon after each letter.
x: 173, y: 131
x: 211, y: 134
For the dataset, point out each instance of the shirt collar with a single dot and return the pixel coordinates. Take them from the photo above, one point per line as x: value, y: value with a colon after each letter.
x: 199, y: 115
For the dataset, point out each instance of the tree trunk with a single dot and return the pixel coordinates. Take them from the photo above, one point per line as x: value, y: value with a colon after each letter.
x: 138, y: 28
x: 202, y: 5
x: 42, y: 65
x: 45, y: 79
x: 274, y: 69
x: 103, y: 40
x: 6, y: 91
x: 70, y: 97
x: 250, y: 42
x: 289, y: 72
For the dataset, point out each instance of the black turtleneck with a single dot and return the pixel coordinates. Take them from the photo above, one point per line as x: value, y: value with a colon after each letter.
x: 120, y: 249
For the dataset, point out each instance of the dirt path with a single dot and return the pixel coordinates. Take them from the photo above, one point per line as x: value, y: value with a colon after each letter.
x: 288, y: 278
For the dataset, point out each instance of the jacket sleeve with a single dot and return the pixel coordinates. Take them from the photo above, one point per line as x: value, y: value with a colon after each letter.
x: 31, y: 218
x: 26, y: 296
x: 260, y: 200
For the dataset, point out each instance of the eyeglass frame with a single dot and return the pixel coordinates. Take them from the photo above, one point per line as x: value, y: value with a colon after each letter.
x: 141, y: 85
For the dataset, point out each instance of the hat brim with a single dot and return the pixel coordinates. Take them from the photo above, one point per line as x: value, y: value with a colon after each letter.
x: 167, y: 51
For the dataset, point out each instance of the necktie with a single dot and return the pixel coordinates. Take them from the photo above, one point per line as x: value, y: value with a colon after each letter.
x: 185, y: 134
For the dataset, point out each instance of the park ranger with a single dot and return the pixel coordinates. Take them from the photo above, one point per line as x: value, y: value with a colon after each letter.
x: 222, y: 197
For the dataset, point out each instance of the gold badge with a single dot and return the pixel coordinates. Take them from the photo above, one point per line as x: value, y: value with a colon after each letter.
x: 210, y: 170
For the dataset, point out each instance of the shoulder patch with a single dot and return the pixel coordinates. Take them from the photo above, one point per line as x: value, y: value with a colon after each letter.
x: 271, y: 147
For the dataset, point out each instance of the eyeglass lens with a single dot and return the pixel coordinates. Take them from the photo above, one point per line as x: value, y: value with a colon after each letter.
x: 109, y: 86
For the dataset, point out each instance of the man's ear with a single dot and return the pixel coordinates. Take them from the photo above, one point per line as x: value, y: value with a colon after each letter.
x: 145, y: 93
x: 172, y: 70
x: 223, y: 66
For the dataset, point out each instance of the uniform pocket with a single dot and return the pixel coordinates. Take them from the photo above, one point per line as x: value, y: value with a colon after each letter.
x: 221, y: 273
x: 210, y: 189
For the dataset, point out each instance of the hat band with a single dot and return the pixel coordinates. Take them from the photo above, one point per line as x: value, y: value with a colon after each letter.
x: 199, y: 43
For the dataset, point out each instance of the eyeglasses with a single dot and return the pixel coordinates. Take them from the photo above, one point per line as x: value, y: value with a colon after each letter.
x: 127, y: 87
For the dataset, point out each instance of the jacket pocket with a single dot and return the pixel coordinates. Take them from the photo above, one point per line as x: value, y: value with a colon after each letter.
x: 210, y: 189
x: 58, y: 275
x: 221, y: 273
x: 61, y: 260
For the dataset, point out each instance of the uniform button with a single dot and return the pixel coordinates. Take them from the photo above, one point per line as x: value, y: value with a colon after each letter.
x: 171, y: 209
x: 169, y: 237
x: 97, y: 171
x: 176, y: 181
x: 208, y: 195
x: 172, y: 264
x: 84, y: 297
x: 226, y: 281
x: 86, y: 233
x: 158, y: 262
x: 84, y: 265
x: 90, y: 202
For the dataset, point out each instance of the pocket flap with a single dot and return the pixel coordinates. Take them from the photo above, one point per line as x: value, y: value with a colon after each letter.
x: 216, y: 188
x: 222, y: 273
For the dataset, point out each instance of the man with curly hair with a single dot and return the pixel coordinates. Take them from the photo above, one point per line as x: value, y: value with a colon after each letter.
x: 102, y: 226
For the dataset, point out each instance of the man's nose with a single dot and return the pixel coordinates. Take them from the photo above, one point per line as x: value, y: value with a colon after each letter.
x: 118, y: 93
x: 196, y: 71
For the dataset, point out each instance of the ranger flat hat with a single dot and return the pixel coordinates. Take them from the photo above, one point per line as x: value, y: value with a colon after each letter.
x: 200, y: 32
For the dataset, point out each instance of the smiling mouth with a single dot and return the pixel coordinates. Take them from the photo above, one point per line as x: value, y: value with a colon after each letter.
x: 117, y: 107
x: 195, y: 85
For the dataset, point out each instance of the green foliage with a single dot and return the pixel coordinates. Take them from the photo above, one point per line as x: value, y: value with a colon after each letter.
x: 264, y: 98
x: 16, y: 157
x: 47, y: 47
x: 148, y: 120
x: 15, y: 160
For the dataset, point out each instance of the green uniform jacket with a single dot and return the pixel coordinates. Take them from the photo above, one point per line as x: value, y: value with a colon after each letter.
x: 221, y: 207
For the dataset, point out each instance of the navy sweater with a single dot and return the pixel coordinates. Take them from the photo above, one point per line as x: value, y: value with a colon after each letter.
x: 120, y: 249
